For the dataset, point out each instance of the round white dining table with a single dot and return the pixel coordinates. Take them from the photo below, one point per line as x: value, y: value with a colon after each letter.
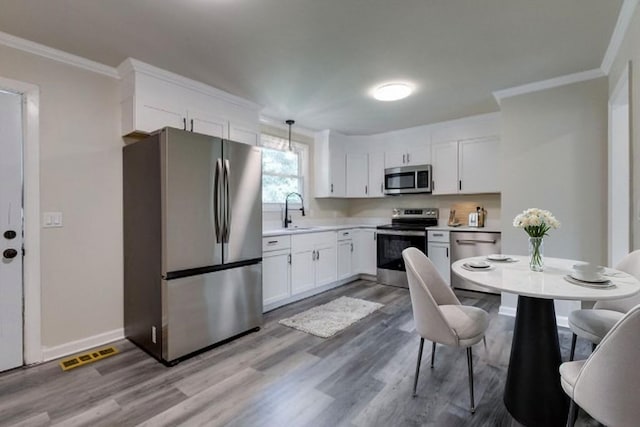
x: 533, y: 394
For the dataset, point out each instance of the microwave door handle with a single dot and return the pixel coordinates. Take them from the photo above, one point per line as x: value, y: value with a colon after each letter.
x: 216, y: 201
x: 227, y: 205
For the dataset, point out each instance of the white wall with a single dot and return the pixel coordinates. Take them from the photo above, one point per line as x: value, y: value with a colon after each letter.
x: 81, y: 176
x: 555, y: 157
x: 630, y: 51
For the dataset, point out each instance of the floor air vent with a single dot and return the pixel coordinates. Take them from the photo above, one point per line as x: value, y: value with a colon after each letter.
x: 84, y: 358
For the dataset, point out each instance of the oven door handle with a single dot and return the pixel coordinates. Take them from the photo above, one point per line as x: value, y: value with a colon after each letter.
x: 473, y: 242
x: 401, y: 233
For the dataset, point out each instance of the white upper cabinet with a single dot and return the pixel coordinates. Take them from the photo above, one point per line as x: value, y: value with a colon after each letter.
x: 408, y: 157
x: 152, y: 98
x: 466, y: 166
x: 445, y: 167
x: 478, y: 165
x: 357, y: 168
x: 376, y: 174
x: 207, y: 123
x: 247, y: 133
x: 330, y: 164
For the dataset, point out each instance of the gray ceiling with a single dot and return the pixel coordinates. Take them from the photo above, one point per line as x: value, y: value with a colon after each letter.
x: 315, y: 60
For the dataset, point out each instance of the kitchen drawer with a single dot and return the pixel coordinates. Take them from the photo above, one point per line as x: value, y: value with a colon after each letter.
x: 275, y: 243
x: 345, y: 234
x: 437, y: 236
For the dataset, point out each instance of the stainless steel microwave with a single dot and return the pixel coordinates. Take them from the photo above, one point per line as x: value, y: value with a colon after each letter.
x: 407, y: 180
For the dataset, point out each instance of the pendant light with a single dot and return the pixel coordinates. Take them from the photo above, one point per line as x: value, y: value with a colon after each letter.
x: 290, y: 122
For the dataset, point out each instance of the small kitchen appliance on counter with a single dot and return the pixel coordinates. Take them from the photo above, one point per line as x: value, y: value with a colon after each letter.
x: 407, y: 229
x: 192, y: 242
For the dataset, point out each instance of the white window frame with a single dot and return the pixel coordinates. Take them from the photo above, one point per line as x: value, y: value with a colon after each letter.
x: 303, y: 158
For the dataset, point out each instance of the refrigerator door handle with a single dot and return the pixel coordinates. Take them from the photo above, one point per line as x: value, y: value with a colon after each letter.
x: 216, y: 200
x: 227, y: 207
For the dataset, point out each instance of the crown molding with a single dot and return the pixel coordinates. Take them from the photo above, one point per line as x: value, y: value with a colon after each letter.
x: 57, y: 55
x: 130, y: 65
x: 499, y: 95
x: 624, y: 19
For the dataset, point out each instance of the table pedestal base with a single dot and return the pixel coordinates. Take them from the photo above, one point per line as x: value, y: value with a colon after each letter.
x: 533, y: 394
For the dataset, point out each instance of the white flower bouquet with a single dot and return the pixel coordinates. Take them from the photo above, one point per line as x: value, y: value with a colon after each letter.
x: 536, y: 222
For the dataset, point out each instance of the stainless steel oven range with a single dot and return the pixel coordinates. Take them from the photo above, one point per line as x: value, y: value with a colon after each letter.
x: 407, y: 229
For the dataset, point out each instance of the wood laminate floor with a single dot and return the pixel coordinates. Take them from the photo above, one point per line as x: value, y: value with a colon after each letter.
x: 283, y: 377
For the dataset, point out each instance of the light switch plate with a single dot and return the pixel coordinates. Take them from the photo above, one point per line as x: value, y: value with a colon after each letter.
x: 51, y: 219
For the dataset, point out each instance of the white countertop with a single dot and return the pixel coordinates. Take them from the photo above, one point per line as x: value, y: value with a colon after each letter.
x: 335, y: 227
x: 465, y: 228
x: 313, y: 229
x: 517, y: 278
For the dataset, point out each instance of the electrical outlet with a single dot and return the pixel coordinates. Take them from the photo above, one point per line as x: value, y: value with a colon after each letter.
x: 153, y: 334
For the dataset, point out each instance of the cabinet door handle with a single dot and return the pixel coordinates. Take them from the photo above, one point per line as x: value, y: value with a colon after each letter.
x: 313, y: 255
x: 381, y: 188
x: 366, y: 191
x: 375, y: 236
x: 460, y: 185
x: 447, y: 253
x: 289, y: 259
x: 408, y: 157
x: 433, y: 185
x: 273, y: 242
x: 403, y: 157
x: 352, y: 247
x: 437, y: 234
x: 184, y: 123
x: 332, y: 188
x: 317, y: 255
x: 191, y: 125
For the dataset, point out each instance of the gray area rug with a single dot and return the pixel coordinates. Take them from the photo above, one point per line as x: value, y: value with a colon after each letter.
x: 328, y: 319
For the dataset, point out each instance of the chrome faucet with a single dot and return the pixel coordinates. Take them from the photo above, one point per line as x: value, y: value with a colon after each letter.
x: 287, y: 220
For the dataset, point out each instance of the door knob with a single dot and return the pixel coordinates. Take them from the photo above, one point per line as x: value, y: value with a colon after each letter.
x: 9, y: 253
x: 9, y: 234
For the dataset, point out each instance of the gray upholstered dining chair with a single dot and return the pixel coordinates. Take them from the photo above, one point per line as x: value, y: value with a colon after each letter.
x: 606, y: 384
x: 593, y: 324
x: 438, y: 314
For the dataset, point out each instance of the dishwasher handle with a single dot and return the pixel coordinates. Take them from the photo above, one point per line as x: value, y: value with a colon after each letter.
x: 473, y: 242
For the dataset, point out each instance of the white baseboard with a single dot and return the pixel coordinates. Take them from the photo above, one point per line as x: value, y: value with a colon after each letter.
x: 562, y: 321
x: 55, y: 352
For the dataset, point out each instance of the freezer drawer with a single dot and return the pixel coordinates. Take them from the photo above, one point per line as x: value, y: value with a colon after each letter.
x: 199, y: 311
x: 469, y: 244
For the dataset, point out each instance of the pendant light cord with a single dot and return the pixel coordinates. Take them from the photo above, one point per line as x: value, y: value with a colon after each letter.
x: 290, y: 122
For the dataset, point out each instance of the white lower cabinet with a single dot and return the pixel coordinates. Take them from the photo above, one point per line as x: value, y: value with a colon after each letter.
x: 346, y: 256
x: 438, y: 252
x: 313, y: 260
x: 365, y: 250
x: 276, y: 269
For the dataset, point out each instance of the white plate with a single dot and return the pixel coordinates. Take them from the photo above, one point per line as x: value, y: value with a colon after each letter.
x: 498, y: 257
x: 598, y: 285
x: 594, y: 279
x: 477, y: 264
x: 466, y: 267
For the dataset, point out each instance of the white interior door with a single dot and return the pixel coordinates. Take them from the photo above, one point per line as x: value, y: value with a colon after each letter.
x: 10, y: 230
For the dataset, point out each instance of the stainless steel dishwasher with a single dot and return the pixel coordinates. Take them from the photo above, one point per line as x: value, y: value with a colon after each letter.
x: 465, y: 244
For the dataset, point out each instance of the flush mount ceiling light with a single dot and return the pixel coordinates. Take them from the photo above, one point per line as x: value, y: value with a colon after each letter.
x: 392, y: 91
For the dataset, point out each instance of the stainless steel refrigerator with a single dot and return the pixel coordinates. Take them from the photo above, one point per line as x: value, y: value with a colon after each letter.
x: 192, y: 242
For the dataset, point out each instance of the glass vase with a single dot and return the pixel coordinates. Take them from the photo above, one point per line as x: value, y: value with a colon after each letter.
x: 536, y: 253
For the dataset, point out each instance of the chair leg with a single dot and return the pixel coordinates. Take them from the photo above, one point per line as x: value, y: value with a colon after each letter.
x: 415, y: 381
x: 433, y: 354
x: 573, y: 413
x: 470, y: 366
x: 574, y: 338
